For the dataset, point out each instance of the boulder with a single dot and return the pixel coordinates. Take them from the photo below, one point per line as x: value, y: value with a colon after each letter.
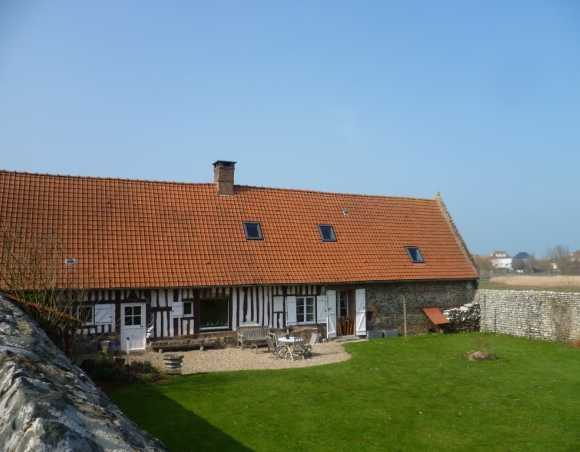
x: 47, y: 403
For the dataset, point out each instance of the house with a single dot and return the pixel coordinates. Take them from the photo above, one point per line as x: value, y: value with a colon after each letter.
x: 520, y: 261
x: 501, y: 259
x: 522, y: 255
x: 168, y: 259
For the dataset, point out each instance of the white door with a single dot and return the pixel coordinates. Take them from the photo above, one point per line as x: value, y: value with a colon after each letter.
x: 133, y: 326
x: 361, y: 313
x: 331, y: 317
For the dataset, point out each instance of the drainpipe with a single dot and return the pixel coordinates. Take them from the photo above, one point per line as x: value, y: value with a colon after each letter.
x: 405, y: 315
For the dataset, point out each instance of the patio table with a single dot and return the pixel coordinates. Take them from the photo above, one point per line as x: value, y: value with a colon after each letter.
x: 291, y: 343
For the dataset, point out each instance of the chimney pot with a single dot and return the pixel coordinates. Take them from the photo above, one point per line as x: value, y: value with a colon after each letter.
x: 223, y: 177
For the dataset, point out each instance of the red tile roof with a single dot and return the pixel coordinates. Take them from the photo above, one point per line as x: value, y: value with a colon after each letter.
x: 130, y: 233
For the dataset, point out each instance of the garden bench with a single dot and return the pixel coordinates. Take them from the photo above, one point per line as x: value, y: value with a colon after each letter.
x: 254, y: 334
x: 183, y: 344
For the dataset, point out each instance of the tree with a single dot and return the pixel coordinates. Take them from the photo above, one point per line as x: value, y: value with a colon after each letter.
x: 560, y: 255
x: 34, y: 270
x: 484, y: 264
x: 519, y: 264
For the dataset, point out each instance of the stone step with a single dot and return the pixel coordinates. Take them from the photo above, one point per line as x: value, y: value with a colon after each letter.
x: 349, y: 338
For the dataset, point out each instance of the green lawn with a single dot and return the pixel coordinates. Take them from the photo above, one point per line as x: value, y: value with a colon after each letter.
x: 392, y: 395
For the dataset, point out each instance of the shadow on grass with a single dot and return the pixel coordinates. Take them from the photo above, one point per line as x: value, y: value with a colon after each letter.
x: 180, y: 430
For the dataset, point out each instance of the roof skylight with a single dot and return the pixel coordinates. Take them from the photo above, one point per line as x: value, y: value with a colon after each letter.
x: 327, y: 233
x: 253, y: 230
x: 414, y: 254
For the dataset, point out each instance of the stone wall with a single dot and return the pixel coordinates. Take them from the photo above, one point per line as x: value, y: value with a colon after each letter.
x: 47, y: 403
x: 385, y: 303
x: 533, y: 314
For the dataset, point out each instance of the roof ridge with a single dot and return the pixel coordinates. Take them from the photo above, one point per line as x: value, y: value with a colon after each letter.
x: 123, y: 179
x: 455, y: 232
x: 299, y: 190
x: 302, y: 190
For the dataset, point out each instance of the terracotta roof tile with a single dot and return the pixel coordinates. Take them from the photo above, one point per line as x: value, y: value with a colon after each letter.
x: 129, y: 233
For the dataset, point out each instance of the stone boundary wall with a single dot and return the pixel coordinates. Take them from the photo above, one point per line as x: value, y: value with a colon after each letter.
x: 49, y: 404
x: 533, y: 314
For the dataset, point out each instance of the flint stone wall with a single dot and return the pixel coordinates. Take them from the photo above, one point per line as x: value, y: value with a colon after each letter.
x: 47, y: 403
x: 385, y: 303
x: 534, y: 314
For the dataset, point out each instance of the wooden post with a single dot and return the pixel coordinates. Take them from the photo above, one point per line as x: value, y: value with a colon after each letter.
x: 128, y: 359
x: 405, y: 315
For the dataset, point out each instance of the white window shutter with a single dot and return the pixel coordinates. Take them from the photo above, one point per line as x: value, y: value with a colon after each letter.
x: 104, y: 314
x: 291, y: 310
x: 331, y: 317
x: 361, y: 313
x: 278, y: 304
x: 177, y: 309
x: 321, y: 309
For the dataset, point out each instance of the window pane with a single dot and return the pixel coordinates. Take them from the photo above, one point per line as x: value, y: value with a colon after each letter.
x: 128, y: 320
x: 137, y: 320
x: 214, y: 314
x: 187, y: 309
x: 253, y: 230
x: 327, y: 233
x: 414, y: 254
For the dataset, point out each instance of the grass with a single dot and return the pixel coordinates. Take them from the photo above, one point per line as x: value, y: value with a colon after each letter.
x: 392, y: 395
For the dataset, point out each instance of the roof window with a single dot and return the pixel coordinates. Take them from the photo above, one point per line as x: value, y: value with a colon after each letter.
x: 253, y: 230
x: 327, y: 233
x: 414, y: 254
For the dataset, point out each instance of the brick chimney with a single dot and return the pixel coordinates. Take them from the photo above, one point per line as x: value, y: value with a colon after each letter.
x: 223, y: 177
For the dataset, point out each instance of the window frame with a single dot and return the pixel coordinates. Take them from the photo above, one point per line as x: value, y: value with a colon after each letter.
x: 190, y: 314
x: 331, y: 228
x: 133, y: 315
x: 342, y: 296
x: 85, y: 308
x: 228, y: 310
x: 305, y: 313
x: 259, y: 226
x: 421, y: 259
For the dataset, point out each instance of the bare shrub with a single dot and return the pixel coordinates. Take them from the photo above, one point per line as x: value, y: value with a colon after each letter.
x: 34, y: 270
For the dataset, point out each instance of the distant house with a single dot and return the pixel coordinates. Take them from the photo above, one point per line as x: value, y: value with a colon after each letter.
x: 522, y: 255
x: 501, y: 259
x: 165, y: 259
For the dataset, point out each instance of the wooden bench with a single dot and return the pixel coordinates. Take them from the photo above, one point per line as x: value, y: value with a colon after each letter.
x: 183, y: 344
x: 253, y: 334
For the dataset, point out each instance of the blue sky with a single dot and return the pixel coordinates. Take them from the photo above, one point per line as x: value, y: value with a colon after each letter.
x: 477, y: 100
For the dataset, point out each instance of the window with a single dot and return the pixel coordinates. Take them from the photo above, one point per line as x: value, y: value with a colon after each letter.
x: 305, y: 309
x: 253, y: 230
x: 327, y: 233
x: 214, y: 314
x: 188, y: 308
x: 133, y: 316
x: 414, y: 254
x: 85, y: 313
x: 342, y: 297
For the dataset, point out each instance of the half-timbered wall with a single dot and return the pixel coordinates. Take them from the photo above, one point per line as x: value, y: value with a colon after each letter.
x: 265, y: 305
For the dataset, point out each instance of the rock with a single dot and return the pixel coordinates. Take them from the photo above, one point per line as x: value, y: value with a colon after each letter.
x: 47, y: 403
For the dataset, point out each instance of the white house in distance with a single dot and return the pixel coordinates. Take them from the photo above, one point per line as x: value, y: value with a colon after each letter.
x: 501, y: 259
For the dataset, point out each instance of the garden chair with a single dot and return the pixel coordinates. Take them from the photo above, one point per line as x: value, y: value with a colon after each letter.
x: 276, y: 350
x: 307, y: 349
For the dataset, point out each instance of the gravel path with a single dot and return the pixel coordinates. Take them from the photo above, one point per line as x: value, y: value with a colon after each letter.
x: 227, y: 359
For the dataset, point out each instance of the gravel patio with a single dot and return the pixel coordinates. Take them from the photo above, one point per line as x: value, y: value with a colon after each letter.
x: 227, y: 359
